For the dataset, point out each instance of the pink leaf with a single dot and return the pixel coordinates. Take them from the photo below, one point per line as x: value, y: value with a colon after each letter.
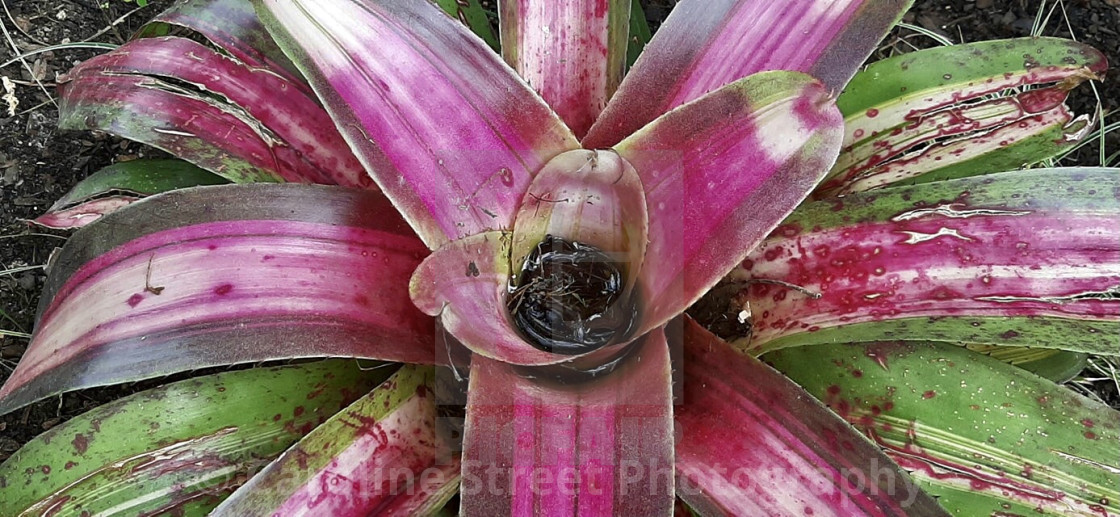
x: 80, y: 215
x: 211, y: 110
x: 755, y: 443
x: 450, y: 133
x: 591, y: 446
x: 221, y: 275
x: 722, y: 171
x: 573, y: 52
x: 231, y: 25
x: 705, y: 45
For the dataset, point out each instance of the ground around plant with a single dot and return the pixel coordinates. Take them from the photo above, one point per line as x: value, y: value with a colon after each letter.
x: 39, y: 163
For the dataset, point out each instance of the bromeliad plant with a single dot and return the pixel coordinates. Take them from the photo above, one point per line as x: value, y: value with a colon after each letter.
x: 556, y: 219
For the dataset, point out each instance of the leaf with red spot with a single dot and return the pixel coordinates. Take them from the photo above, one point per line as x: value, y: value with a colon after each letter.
x: 450, y: 133
x: 572, y: 52
x: 381, y: 455
x: 930, y: 115
x: 178, y: 449
x: 220, y: 275
x: 211, y: 110
x: 1026, y: 258
x: 984, y: 437
x: 703, y: 46
x: 754, y: 443
x: 566, y: 442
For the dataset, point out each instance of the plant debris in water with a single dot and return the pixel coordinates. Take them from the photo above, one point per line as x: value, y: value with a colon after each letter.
x: 566, y: 299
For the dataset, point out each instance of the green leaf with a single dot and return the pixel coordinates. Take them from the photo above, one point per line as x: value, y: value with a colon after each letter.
x: 962, y: 110
x: 385, y: 445
x: 961, y: 69
x: 1056, y: 365
x: 985, y: 437
x: 639, y: 33
x: 142, y: 177
x: 473, y: 15
x: 181, y: 448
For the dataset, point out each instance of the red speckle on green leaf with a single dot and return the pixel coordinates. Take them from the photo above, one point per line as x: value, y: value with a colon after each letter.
x: 317, y: 391
x: 81, y: 443
x: 929, y: 394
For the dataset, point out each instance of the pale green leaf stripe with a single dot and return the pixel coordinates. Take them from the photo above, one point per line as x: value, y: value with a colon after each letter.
x: 954, y: 68
x: 1096, y: 337
x: 1057, y: 365
x: 984, y: 436
x: 179, y: 448
x: 1070, y: 190
x: 333, y: 443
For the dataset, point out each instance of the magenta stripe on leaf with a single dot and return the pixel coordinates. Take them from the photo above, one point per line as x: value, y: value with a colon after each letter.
x: 232, y: 25
x: 570, y: 445
x: 226, y: 290
x: 572, y: 52
x: 381, y: 455
x: 705, y: 45
x: 450, y: 133
x: 1018, y: 264
x: 1031, y: 244
x: 211, y: 110
x: 722, y: 171
x: 754, y: 443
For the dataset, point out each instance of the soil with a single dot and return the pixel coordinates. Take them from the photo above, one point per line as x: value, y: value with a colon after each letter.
x: 38, y: 163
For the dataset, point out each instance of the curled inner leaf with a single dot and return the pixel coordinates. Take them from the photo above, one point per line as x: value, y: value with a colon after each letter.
x: 582, y: 229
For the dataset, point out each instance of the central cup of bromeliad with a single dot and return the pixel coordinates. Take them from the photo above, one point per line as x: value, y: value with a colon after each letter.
x: 578, y: 242
x: 569, y: 297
